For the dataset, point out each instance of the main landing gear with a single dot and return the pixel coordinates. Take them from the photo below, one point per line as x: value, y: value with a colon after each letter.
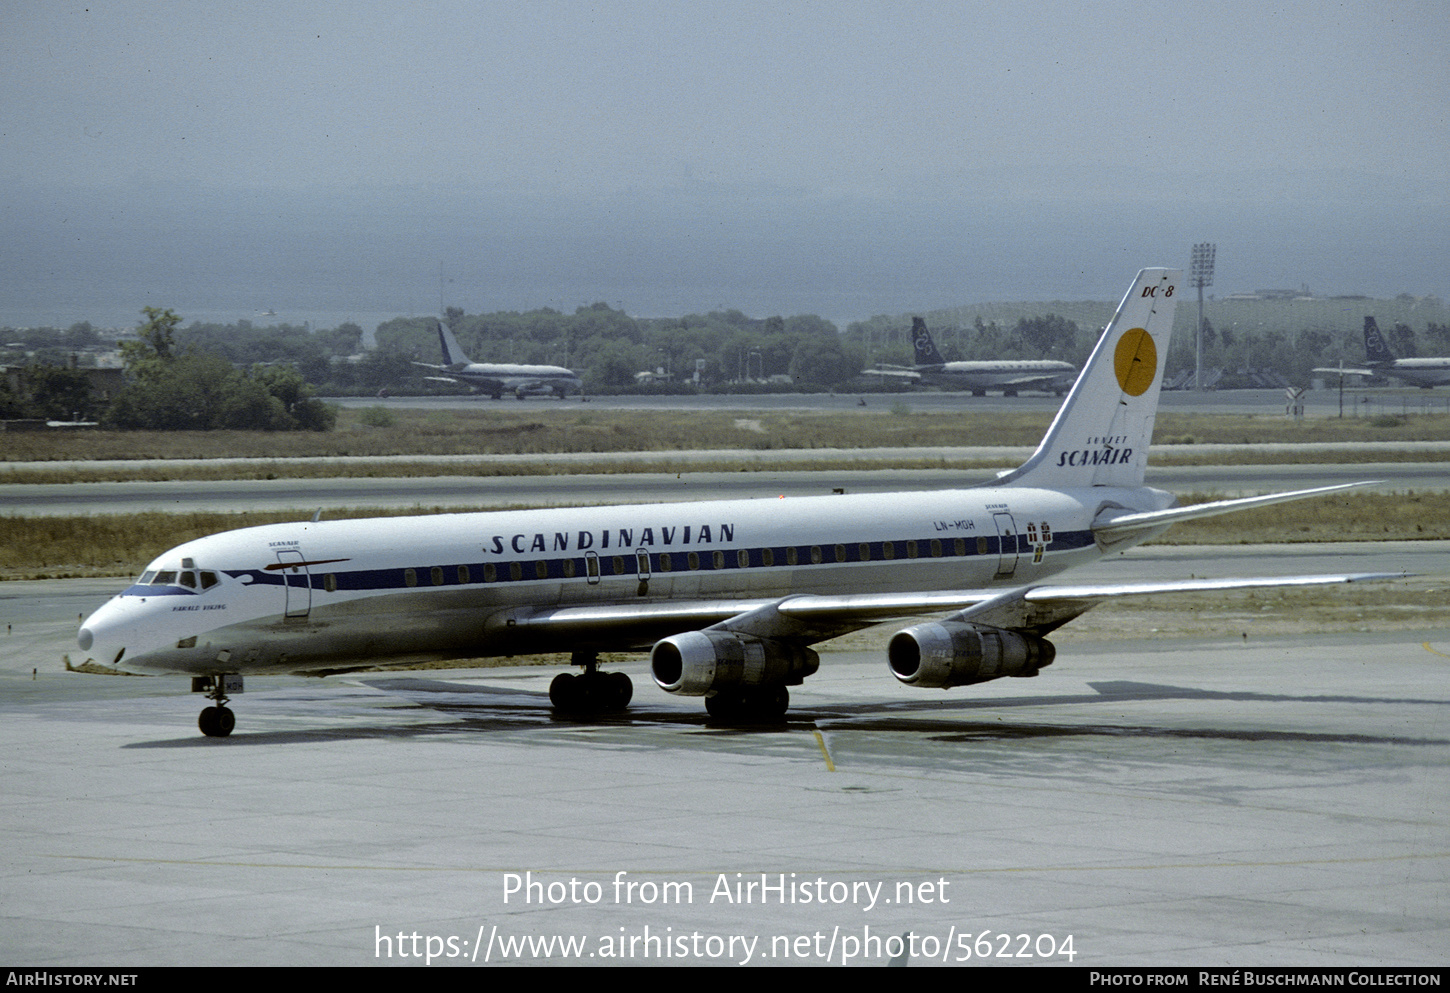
x: 592, y: 691
x: 218, y: 721
x: 755, y: 704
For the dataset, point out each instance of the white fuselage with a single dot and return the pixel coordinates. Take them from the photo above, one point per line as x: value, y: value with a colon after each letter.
x: 1025, y: 374
x: 509, y: 378
x: 335, y: 595
x: 1418, y: 372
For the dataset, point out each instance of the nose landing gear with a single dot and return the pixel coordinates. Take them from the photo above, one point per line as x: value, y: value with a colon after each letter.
x: 217, y: 721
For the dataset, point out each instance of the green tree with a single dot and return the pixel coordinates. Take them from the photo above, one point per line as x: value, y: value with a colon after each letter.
x: 158, y: 339
x: 1402, y: 340
x: 823, y: 362
x: 1048, y: 334
x: 201, y: 391
x: 302, y: 411
x: 57, y: 393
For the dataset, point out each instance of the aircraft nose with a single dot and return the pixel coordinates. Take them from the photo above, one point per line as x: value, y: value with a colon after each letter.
x: 106, y: 633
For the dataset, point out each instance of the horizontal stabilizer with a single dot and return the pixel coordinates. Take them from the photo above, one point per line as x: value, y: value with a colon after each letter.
x: 1115, y: 526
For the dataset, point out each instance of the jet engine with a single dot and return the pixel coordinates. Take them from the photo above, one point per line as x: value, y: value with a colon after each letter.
x: 699, y: 662
x: 940, y: 654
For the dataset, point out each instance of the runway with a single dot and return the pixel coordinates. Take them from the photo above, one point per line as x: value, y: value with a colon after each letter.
x: 1239, y: 799
x: 765, y: 481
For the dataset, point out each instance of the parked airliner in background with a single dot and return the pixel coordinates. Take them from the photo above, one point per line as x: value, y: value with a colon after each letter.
x: 1380, y: 361
x: 1007, y: 375
x: 497, y: 378
x: 728, y: 596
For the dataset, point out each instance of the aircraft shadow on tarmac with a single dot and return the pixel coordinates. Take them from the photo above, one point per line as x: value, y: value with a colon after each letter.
x: 475, y: 708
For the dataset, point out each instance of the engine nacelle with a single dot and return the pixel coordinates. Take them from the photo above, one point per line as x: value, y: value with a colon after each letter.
x: 940, y: 654
x: 700, y: 662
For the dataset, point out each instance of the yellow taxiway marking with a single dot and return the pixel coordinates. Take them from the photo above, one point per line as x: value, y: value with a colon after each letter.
x: 830, y: 766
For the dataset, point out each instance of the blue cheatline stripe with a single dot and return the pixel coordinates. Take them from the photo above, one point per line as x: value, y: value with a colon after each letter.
x: 661, y: 563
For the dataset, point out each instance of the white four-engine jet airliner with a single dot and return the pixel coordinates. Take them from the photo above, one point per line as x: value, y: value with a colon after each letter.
x: 498, y: 378
x: 728, y: 596
x: 979, y: 375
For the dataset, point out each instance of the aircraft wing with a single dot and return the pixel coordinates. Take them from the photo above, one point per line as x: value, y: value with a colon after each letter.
x: 1042, y: 608
x: 896, y: 372
x: 1349, y: 372
x: 810, y: 618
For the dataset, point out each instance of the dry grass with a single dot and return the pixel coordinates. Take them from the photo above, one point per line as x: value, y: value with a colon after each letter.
x: 420, y: 434
x: 122, y: 544
x: 568, y: 429
x: 1338, y: 517
x: 1412, y: 604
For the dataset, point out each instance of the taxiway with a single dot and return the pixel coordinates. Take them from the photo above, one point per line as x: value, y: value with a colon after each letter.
x: 1230, y: 800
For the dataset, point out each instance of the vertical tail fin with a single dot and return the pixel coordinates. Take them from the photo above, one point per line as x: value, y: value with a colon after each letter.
x: 926, y: 353
x: 1101, y: 433
x: 1376, y: 349
x: 452, y: 354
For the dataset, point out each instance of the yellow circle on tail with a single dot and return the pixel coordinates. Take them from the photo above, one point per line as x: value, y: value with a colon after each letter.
x: 1135, y: 361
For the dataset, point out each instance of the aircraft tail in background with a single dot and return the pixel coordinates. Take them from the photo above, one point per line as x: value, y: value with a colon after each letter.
x: 1376, y: 349
x: 926, y: 350
x: 452, y: 353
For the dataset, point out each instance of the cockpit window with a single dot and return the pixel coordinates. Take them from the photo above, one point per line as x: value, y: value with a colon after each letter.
x: 191, y: 578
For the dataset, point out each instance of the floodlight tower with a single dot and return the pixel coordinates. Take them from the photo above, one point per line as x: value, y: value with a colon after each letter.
x: 1201, y: 274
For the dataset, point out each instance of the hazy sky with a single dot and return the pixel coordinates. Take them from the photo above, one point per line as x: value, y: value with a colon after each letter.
x: 632, y: 144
